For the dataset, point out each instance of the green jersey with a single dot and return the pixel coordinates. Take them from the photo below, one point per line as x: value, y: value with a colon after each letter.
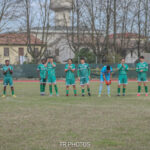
x: 83, y: 70
x: 69, y: 73
x: 43, y: 70
x: 51, y: 69
x: 122, y: 69
x: 8, y: 70
x: 142, y: 66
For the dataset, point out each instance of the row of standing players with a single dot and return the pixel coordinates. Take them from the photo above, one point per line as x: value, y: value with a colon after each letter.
x: 47, y: 75
x: 48, y: 69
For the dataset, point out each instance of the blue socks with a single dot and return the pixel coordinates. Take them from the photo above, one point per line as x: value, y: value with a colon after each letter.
x: 108, y: 89
x: 101, y: 87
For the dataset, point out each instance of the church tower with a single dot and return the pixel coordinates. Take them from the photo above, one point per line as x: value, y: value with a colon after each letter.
x: 62, y: 9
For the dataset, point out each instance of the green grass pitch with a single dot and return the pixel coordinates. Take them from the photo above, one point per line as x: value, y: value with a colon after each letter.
x: 31, y: 122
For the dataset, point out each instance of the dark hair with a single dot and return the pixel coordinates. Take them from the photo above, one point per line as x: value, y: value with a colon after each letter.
x: 43, y: 60
x: 51, y: 57
x: 82, y: 58
x: 141, y: 57
x: 6, y: 60
x: 69, y: 59
x: 108, y: 67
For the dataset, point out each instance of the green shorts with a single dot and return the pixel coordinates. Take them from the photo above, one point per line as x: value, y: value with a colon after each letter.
x: 142, y: 78
x: 52, y: 80
x: 123, y: 79
x: 8, y: 81
x: 42, y: 80
x: 70, y: 82
x: 84, y: 81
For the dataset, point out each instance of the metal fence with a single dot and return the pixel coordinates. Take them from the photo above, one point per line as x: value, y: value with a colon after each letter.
x: 30, y: 71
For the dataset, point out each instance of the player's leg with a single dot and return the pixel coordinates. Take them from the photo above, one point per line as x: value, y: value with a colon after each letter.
x: 124, y: 89
x: 125, y: 82
x: 73, y: 83
x: 119, y: 85
x: 55, y: 85
x: 88, y: 89
x: 82, y: 84
x: 50, y: 86
x: 74, y: 90
x: 12, y: 87
x: 108, y: 90
x: 41, y: 86
x: 88, y: 86
x: 119, y: 89
x: 101, y: 85
x: 83, y: 90
x: 139, y: 88
x: 5, y: 83
x: 67, y: 90
x: 146, y: 88
x: 44, y: 86
x: 67, y: 87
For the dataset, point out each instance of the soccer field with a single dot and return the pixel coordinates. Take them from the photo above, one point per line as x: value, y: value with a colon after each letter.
x: 32, y: 122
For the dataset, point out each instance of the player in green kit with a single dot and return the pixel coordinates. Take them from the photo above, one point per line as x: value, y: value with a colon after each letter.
x: 84, y: 76
x: 42, y: 69
x: 123, y: 79
x: 8, y: 71
x: 142, y: 69
x: 51, y: 66
x: 70, y: 77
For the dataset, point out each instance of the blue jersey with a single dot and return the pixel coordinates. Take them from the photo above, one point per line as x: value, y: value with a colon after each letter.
x: 105, y: 73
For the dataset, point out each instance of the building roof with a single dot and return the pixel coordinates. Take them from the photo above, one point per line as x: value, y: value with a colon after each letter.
x: 18, y: 39
x: 126, y: 35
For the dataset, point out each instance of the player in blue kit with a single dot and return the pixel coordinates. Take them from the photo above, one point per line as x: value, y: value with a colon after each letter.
x: 105, y: 75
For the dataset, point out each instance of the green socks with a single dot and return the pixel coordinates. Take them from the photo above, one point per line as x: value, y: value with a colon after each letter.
x: 4, y: 92
x: 139, y: 89
x: 83, y: 91
x: 56, y: 89
x: 41, y: 88
x: 75, y: 92
x: 146, y: 89
x: 67, y: 92
x: 50, y: 90
x: 124, y: 90
x: 119, y: 91
x: 88, y: 90
x: 12, y: 92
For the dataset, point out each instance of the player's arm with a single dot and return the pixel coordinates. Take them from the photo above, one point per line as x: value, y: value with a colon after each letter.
x: 126, y: 68
x: 119, y: 67
x: 89, y: 72
x: 38, y: 70
x: 11, y: 70
x: 54, y: 65
x: 146, y: 68
x: 137, y: 68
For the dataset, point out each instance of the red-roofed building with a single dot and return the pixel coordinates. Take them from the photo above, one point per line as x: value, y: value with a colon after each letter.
x: 13, y: 46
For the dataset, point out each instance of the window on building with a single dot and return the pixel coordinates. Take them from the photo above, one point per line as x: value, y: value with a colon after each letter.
x: 21, y: 51
x: 6, y: 52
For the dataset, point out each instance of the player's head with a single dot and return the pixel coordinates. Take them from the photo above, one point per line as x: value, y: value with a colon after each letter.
x: 108, y: 68
x: 122, y: 60
x: 141, y: 58
x: 69, y: 61
x: 50, y: 59
x: 82, y: 60
x: 43, y: 61
x: 7, y: 62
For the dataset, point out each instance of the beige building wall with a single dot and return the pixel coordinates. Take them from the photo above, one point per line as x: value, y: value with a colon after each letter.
x: 14, y: 54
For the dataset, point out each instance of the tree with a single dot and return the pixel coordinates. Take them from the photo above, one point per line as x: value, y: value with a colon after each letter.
x: 36, y: 23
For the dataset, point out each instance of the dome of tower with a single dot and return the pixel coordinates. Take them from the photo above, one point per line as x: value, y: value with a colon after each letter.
x: 61, y: 4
